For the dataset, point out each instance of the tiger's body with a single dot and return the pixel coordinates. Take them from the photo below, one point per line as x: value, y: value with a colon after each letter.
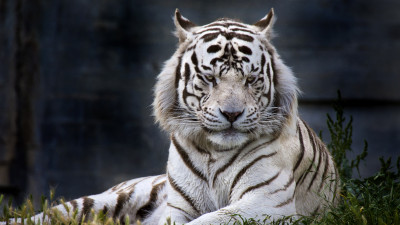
x: 237, y: 144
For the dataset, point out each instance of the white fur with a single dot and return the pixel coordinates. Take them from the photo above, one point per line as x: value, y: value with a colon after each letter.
x: 264, y: 162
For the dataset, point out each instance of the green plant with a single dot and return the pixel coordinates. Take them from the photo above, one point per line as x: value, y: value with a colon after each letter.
x: 341, y: 140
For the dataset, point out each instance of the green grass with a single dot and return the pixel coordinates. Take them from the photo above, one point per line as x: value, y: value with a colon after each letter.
x: 370, y: 200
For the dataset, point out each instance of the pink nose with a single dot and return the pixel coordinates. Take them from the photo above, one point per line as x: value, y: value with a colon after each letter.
x: 231, y: 116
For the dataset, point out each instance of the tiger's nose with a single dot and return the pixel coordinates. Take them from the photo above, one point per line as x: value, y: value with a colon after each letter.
x: 231, y: 116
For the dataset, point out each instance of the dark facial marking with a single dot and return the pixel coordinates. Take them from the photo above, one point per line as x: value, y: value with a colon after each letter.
x: 244, y: 37
x: 206, y: 67
x: 187, y: 73
x: 210, y: 29
x: 244, y: 30
x: 246, y: 50
x: 245, y: 59
x: 209, y: 37
x: 213, y: 48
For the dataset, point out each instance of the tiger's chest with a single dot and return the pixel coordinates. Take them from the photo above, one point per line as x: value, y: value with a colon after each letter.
x: 215, y: 179
x: 228, y: 171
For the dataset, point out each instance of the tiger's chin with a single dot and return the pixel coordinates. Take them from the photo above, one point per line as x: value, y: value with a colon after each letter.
x: 228, y: 138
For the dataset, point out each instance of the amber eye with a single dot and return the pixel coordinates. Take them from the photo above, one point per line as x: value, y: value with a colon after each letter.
x: 210, y: 78
x: 250, y: 79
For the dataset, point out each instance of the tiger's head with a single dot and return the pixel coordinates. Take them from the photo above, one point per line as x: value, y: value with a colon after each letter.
x: 225, y: 84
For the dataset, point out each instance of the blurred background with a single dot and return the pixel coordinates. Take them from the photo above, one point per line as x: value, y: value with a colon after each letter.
x: 76, y: 82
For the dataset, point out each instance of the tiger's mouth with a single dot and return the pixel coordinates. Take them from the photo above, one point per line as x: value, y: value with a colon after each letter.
x: 229, y: 137
x: 230, y: 131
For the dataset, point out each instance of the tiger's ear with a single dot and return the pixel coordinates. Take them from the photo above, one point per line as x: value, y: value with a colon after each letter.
x: 183, y: 26
x: 266, y: 23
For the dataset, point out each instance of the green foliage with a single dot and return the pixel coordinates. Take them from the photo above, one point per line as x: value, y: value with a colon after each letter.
x: 341, y: 140
x: 370, y: 200
x: 27, y: 211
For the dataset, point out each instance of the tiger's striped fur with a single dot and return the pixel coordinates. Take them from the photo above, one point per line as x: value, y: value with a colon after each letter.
x: 237, y: 144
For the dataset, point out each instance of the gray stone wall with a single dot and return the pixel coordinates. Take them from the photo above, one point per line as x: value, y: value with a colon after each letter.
x: 76, y: 81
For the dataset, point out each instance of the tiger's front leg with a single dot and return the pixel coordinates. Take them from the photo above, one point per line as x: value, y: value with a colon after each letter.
x: 255, y: 206
x: 272, y: 198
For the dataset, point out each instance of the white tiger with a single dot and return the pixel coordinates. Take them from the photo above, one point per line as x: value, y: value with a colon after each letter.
x: 237, y: 143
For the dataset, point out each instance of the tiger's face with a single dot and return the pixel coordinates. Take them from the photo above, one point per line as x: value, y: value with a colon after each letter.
x: 226, y: 82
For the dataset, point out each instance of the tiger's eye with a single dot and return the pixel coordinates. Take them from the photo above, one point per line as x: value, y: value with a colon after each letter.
x: 250, y: 79
x: 209, y: 77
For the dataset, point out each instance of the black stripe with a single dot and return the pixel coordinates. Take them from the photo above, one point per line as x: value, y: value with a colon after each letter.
x: 187, y: 73
x: 229, y: 36
x: 210, y: 29
x: 206, y: 67
x: 300, y: 158
x: 290, y: 182
x: 325, y: 171
x: 190, y: 48
x: 105, y: 210
x: 185, y: 158
x: 201, y: 78
x: 131, y: 187
x: 312, y: 141
x: 236, y: 24
x: 244, y: 30
x: 263, y: 61
x: 121, y: 200
x: 177, y: 78
x: 158, y: 178
x: 118, y: 186
x: 244, y: 169
x: 197, y: 88
x: 277, y: 101
x: 259, y: 146
x: 274, y: 74
x: 337, y: 183
x: 270, y: 83
x: 122, y: 220
x: 221, y: 150
x: 285, y: 202
x: 215, y: 60
x: 243, y: 37
x: 87, y: 206
x: 267, y: 182
x: 123, y: 197
x: 201, y: 150
x: 150, y: 205
x: 213, y: 48
x: 246, y: 50
x: 74, y: 205
x: 194, y: 59
x: 209, y: 37
x: 223, y: 168
x: 316, y: 170
x: 178, y: 73
x: 178, y: 189
x: 178, y: 208
x: 316, y: 210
